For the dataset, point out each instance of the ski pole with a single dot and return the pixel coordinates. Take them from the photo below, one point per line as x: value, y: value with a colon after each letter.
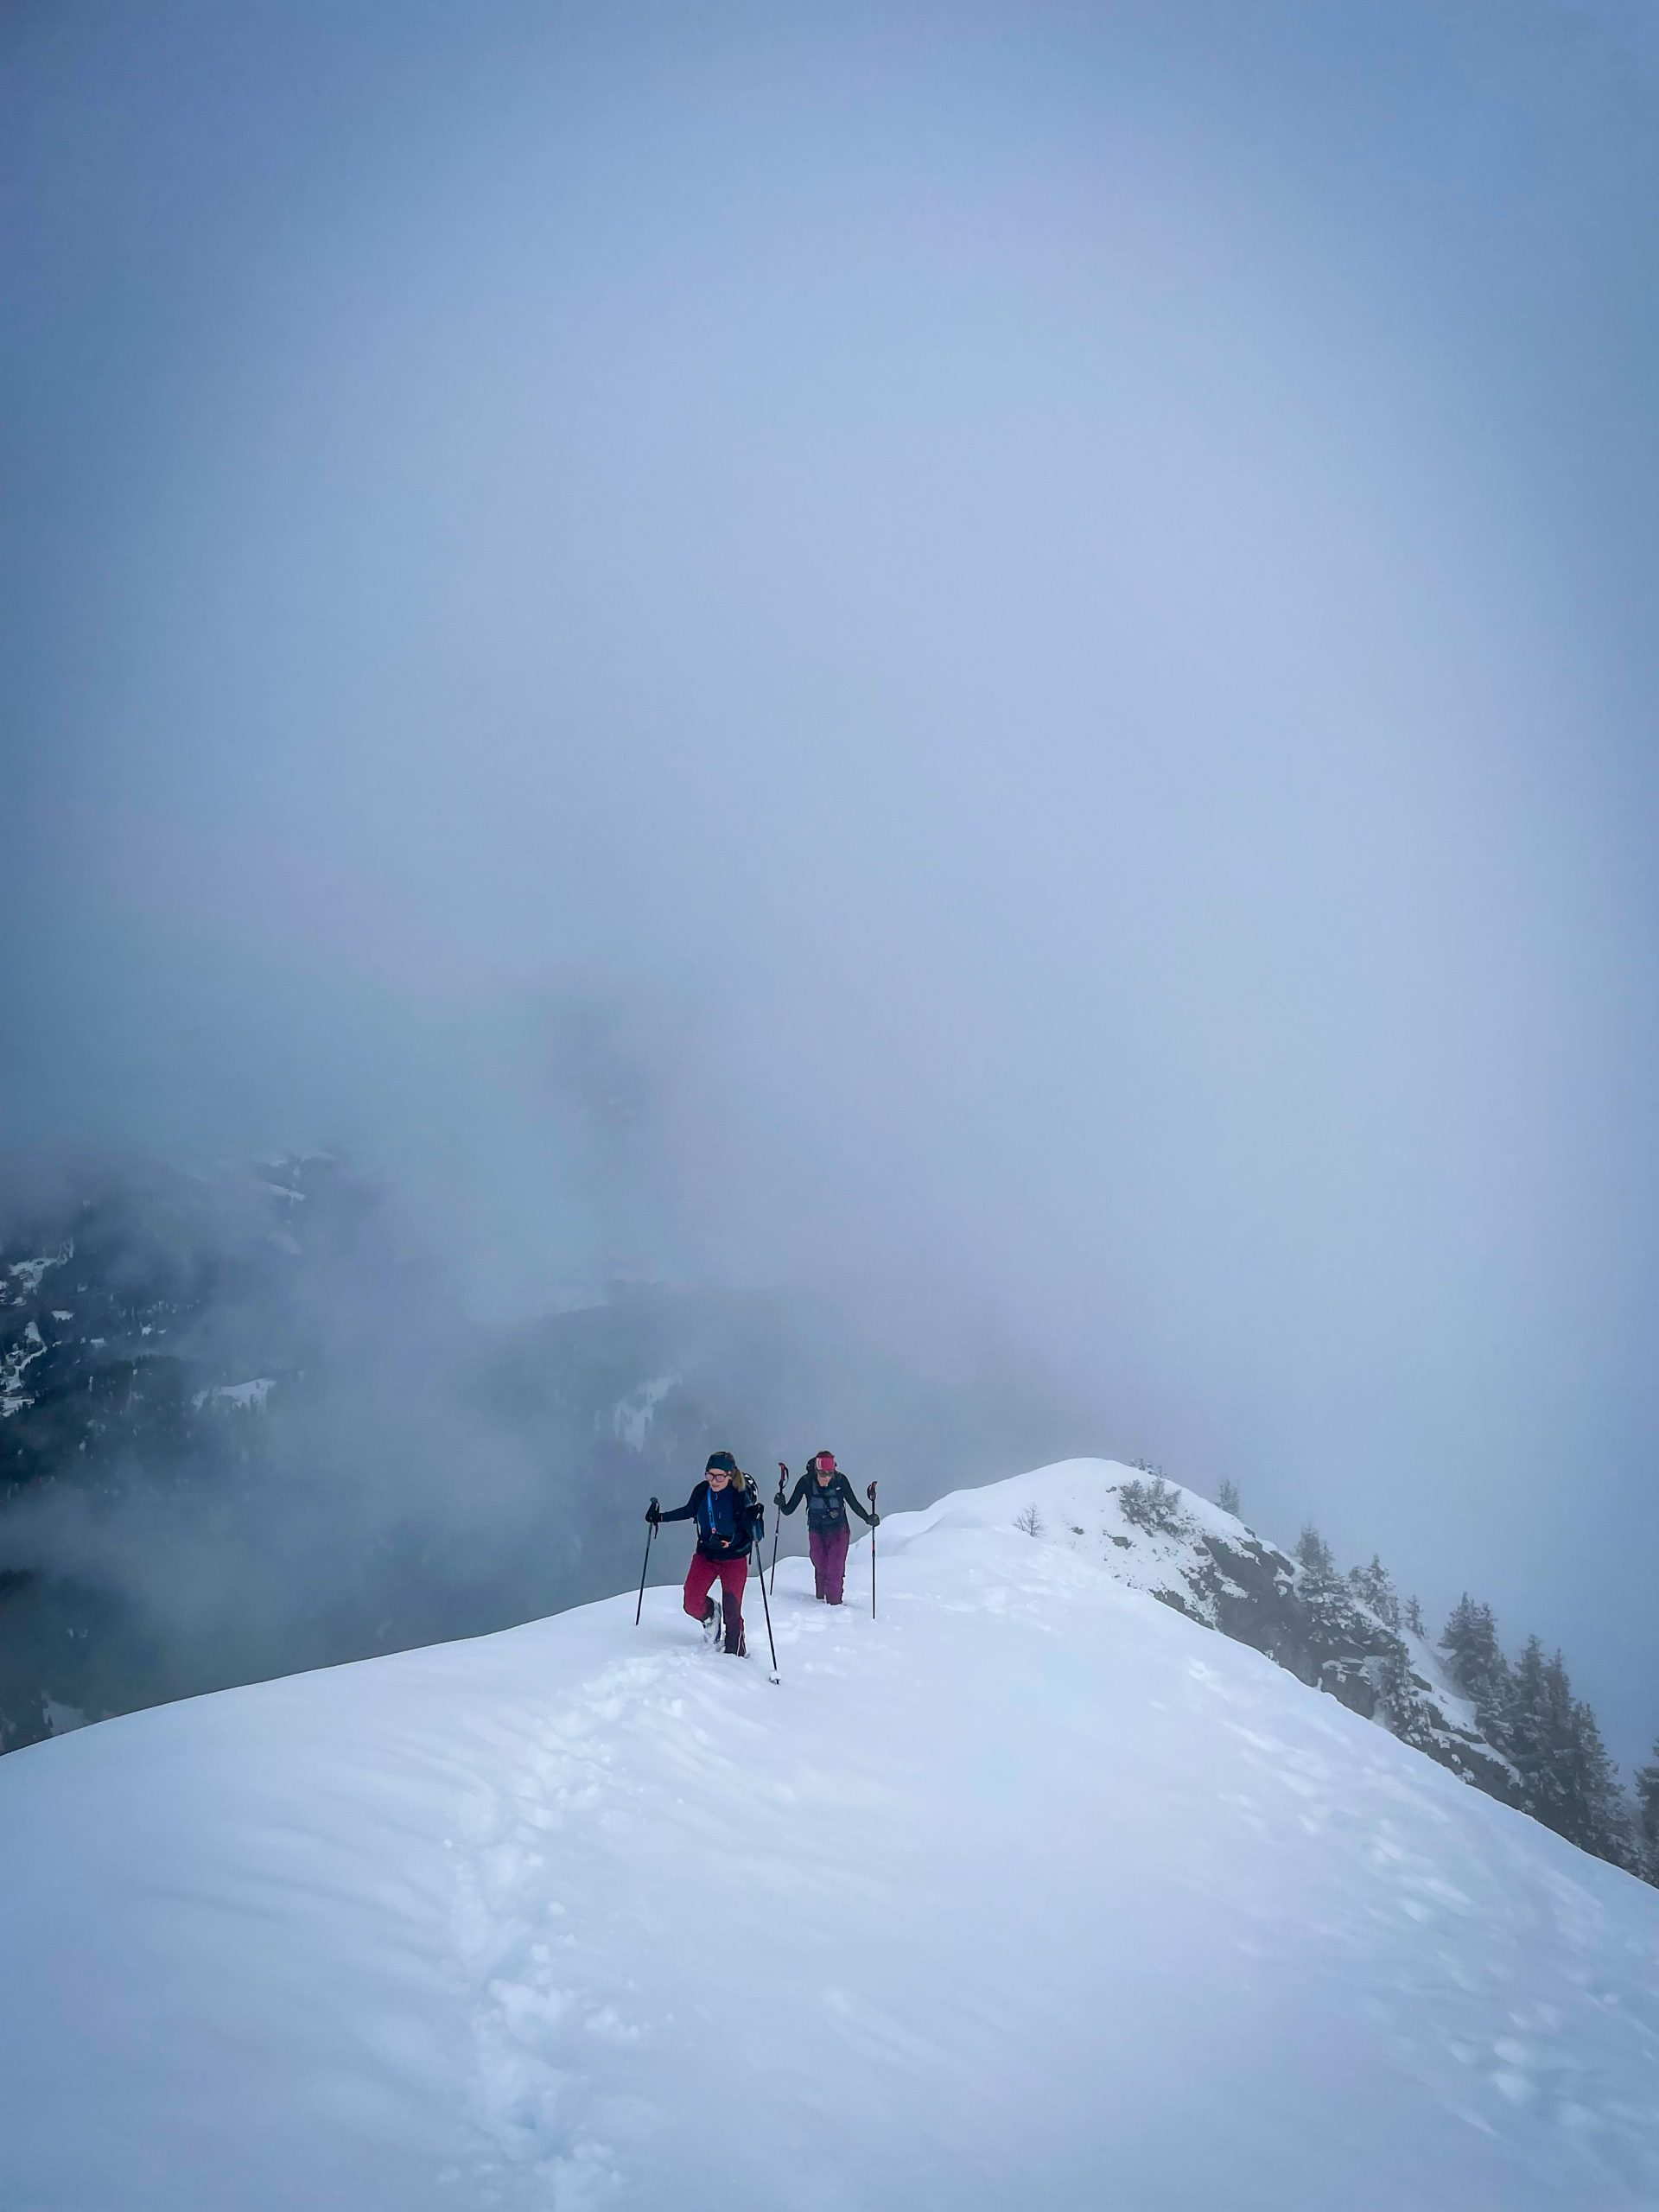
x: 870, y: 1493
x: 766, y: 1608
x: 651, y: 1531
x: 783, y: 1479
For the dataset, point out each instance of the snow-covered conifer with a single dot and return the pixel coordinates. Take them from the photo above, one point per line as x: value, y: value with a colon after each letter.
x: 1647, y: 1817
x: 1542, y: 1737
x: 1601, y: 1816
x: 1476, y: 1663
x: 1376, y: 1588
x: 1314, y: 1555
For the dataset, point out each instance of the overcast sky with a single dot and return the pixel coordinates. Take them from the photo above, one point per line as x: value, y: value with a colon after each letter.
x: 1037, y: 621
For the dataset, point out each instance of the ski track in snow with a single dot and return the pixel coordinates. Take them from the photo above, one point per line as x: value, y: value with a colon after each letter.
x: 1030, y: 1892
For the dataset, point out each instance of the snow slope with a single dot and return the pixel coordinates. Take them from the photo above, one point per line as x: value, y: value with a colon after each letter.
x: 1031, y: 1892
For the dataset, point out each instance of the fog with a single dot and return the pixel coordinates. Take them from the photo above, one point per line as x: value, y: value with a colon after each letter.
x: 1000, y: 657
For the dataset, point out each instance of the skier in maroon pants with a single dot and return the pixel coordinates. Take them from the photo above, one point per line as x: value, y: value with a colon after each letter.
x: 828, y: 1494
x: 729, y: 1519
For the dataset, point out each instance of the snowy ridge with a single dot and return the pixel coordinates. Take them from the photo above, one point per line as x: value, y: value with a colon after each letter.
x: 1029, y: 1892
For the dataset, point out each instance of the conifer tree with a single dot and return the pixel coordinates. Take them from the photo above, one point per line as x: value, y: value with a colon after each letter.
x: 1227, y: 1498
x: 1314, y: 1554
x: 1600, y: 1818
x: 1411, y: 1614
x: 1476, y: 1663
x: 1544, y: 1738
x: 1647, y: 1817
x: 1528, y: 1744
x: 1561, y: 1735
x: 1407, y: 1716
x: 1374, y: 1586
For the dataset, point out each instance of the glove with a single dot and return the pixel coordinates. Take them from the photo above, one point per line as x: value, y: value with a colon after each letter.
x: 875, y: 1518
x: 652, y: 1514
x: 778, y: 1501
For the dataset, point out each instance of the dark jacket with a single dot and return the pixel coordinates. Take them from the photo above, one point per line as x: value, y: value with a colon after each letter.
x: 720, y: 1534
x: 826, y: 1503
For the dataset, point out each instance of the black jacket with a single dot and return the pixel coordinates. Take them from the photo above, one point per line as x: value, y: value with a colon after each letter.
x: 826, y: 1503
x: 748, y: 1521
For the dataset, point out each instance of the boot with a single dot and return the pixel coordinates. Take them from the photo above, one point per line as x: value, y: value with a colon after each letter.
x: 735, y: 1644
x: 710, y: 1621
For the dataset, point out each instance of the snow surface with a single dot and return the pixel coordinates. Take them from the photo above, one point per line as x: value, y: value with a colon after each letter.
x: 632, y: 1416
x: 13, y: 1367
x: 1030, y: 1892
x: 27, y: 1273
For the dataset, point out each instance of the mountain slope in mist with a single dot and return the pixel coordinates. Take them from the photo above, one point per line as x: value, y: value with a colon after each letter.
x: 248, y: 1426
x: 1029, y: 1891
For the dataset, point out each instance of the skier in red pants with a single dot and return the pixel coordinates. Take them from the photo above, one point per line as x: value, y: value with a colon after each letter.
x: 828, y: 1494
x: 729, y: 1519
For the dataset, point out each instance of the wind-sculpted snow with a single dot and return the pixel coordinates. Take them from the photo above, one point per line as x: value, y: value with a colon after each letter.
x: 1031, y: 1892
